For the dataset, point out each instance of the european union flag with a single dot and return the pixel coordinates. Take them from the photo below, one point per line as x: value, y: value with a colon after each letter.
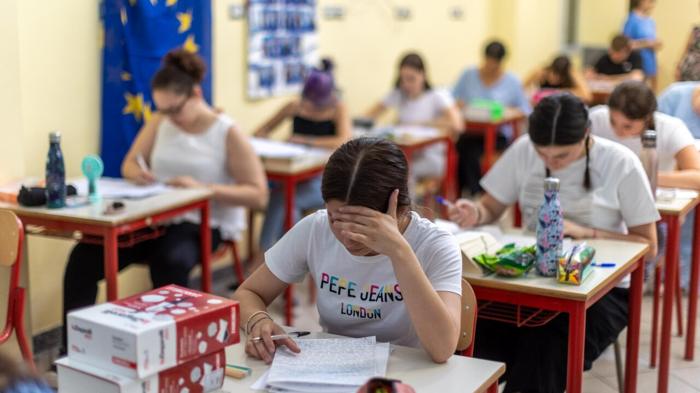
x: 137, y: 34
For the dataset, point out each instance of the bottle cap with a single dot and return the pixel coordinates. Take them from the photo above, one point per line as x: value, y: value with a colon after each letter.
x: 55, y: 137
x: 649, y: 138
x: 551, y: 184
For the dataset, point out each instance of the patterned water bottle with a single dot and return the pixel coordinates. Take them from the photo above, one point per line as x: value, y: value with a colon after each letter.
x: 55, y: 173
x: 550, y: 229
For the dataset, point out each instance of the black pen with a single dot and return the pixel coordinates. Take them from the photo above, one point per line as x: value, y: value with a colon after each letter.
x: 281, y: 336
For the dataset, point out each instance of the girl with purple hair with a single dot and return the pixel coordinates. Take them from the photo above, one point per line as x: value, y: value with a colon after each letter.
x: 319, y: 119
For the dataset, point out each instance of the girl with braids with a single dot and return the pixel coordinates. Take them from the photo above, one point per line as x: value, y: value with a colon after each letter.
x: 604, y: 193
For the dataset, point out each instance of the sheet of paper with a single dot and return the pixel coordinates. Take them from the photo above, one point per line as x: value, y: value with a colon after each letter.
x: 112, y: 188
x: 336, y: 361
x: 382, y: 353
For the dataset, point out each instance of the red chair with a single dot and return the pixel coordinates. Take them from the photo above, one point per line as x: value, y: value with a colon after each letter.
x: 236, y: 263
x: 468, y: 316
x: 11, y: 243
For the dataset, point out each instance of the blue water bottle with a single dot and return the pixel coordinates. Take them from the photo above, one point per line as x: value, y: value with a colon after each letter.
x: 55, y: 173
x: 550, y: 229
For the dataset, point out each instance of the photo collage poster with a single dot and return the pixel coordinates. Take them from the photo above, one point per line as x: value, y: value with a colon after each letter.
x: 282, y: 46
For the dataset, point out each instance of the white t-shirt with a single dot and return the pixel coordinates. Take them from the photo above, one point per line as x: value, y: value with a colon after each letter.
x: 429, y: 106
x: 360, y: 296
x: 672, y: 135
x: 620, y: 195
x: 422, y: 109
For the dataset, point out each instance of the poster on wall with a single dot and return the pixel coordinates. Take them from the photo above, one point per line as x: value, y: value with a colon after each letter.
x: 282, y: 46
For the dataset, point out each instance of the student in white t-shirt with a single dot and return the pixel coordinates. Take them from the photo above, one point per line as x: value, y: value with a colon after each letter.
x: 380, y: 269
x: 604, y: 193
x: 631, y: 109
x: 417, y: 103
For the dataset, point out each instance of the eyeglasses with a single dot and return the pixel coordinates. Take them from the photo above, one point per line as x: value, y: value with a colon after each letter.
x: 173, y: 111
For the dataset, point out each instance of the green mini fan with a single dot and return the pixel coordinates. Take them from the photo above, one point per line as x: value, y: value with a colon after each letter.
x: 93, y: 167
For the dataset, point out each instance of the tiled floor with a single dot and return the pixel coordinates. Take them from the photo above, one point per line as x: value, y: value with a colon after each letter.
x: 685, y: 376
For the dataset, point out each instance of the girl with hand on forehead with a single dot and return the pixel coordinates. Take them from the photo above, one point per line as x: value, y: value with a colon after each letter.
x: 380, y: 269
x: 604, y: 193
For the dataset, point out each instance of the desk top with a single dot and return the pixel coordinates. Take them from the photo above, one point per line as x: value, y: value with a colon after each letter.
x: 510, y: 114
x: 410, y: 365
x: 684, y: 201
x: 134, y: 209
x: 622, y: 253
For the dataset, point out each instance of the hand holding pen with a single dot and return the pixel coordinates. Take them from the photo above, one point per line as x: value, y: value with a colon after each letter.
x: 464, y: 212
x: 265, y: 336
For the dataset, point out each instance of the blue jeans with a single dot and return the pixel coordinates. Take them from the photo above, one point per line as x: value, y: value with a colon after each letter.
x: 686, y: 249
x: 308, y: 196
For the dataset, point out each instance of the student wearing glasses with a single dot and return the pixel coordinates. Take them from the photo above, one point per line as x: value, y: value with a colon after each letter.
x: 185, y: 144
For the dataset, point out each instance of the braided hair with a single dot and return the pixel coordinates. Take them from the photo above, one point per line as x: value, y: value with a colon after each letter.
x: 560, y: 120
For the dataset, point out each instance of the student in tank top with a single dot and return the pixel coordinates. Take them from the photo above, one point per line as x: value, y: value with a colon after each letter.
x: 319, y: 119
x: 597, y: 201
x: 185, y: 144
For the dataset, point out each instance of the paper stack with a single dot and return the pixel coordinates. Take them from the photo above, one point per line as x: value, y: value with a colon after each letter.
x: 326, y: 365
x: 171, y: 339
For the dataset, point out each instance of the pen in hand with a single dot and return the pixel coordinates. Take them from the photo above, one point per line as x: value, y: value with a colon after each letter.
x: 282, y: 336
x: 444, y: 202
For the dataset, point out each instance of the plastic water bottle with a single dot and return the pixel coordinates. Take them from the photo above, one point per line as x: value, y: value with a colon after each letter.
x: 648, y: 157
x: 55, y: 173
x: 550, y: 229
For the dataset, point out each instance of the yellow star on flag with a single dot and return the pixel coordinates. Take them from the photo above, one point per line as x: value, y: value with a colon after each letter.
x: 122, y: 14
x: 185, y: 19
x: 190, y: 45
x: 125, y: 76
x: 134, y: 105
x: 132, y: 2
x: 147, y: 112
x: 170, y: 3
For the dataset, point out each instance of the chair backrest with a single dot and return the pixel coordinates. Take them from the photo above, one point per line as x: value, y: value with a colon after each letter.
x: 467, y: 324
x: 11, y: 236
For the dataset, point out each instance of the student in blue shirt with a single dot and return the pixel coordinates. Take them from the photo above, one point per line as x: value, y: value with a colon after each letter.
x: 487, y: 81
x: 641, y: 29
x: 682, y: 100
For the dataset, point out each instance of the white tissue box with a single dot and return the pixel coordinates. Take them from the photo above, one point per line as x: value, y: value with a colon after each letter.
x: 143, y: 334
x: 202, y: 375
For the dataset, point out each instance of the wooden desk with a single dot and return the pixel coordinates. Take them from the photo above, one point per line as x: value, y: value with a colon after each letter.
x: 671, y: 213
x: 600, y: 91
x: 545, y: 293
x: 410, y: 365
x: 137, y: 214
x: 490, y: 130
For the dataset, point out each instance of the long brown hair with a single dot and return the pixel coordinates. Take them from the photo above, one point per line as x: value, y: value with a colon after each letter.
x: 364, y: 172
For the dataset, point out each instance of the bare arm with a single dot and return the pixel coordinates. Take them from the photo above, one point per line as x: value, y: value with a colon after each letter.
x: 580, y: 88
x: 533, y: 79
x: 435, y: 315
x: 468, y: 214
x: 254, y: 295
x: 142, y: 146
x: 244, y: 166
x: 377, y: 110
x: 641, y: 234
x: 688, y: 173
x: 286, y: 111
